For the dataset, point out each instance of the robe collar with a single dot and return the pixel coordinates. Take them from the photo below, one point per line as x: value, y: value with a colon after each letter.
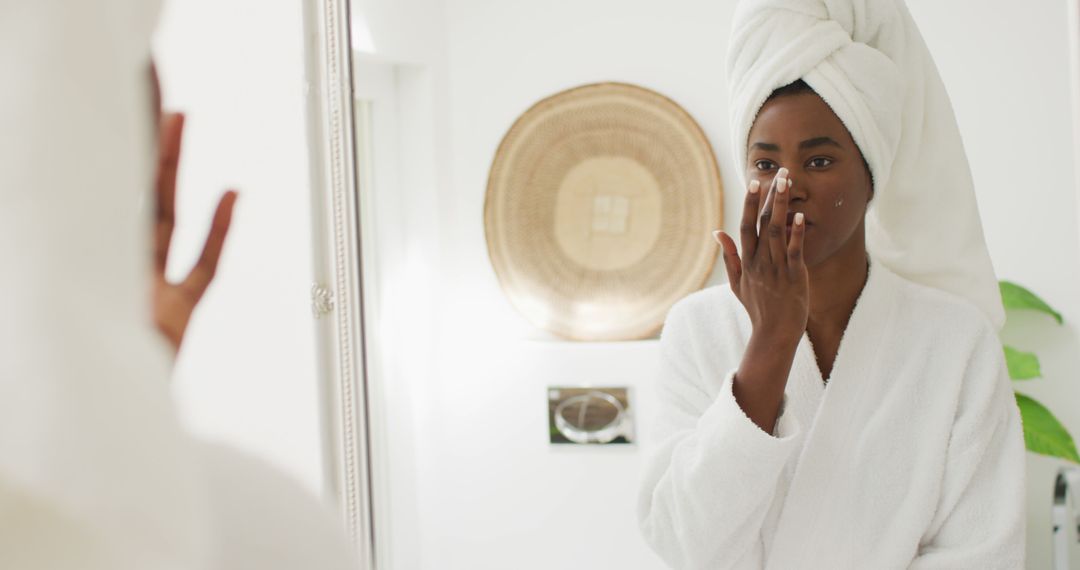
x: 872, y: 302
x: 831, y: 432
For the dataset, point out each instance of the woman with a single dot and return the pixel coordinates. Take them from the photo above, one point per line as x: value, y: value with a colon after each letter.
x: 95, y: 470
x: 844, y: 403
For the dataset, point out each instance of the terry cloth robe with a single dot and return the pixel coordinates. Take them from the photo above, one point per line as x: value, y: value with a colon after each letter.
x: 910, y: 456
x: 96, y: 472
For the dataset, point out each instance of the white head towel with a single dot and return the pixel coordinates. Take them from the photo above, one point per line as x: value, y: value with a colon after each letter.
x: 868, y: 61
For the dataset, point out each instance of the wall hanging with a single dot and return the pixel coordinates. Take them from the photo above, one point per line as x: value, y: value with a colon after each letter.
x: 599, y: 210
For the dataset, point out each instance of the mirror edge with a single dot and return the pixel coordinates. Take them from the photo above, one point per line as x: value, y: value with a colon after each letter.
x: 337, y: 304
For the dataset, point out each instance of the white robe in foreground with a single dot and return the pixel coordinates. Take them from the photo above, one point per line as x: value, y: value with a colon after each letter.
x: 911, y: 456
x: 96, y: 472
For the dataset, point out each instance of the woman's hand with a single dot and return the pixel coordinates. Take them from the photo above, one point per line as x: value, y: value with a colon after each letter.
x: 174, y: 302
x: 770, y: 279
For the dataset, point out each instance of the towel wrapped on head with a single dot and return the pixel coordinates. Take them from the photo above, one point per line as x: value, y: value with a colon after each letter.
x: 867, y: 60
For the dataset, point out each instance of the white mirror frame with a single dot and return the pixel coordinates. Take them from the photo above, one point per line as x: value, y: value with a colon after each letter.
x: 337, y: 302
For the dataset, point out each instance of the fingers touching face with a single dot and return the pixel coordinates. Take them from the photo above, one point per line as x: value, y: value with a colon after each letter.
x: 764, y: 219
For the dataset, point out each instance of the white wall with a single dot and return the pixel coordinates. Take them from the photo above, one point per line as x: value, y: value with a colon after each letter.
x: 401, y: 54
x: 246, y: 374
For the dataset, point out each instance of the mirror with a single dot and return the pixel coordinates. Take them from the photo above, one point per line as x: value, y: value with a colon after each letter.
x: 495, y: 179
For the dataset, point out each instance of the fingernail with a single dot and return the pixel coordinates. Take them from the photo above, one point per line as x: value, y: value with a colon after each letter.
x: 755, y: 186
x: 798, y: 218
x: 783, y: 172
x: 781, y: 186
x: 716, y: 236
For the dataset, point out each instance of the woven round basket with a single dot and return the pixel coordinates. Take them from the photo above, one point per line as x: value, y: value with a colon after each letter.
x: 600, y: 206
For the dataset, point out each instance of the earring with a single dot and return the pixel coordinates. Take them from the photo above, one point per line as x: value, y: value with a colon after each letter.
x: 838, y: 202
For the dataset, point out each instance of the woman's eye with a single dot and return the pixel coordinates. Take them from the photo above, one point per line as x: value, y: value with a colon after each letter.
x: 763, y: 164
x: 820, y: 162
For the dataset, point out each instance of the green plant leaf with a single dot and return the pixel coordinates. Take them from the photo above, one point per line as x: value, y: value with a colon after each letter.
x: 1022, y: 365
x: 1014, y: 296
x: 1043, y: 433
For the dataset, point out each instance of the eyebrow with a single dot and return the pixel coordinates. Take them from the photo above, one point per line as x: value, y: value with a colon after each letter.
x: 808, y: 143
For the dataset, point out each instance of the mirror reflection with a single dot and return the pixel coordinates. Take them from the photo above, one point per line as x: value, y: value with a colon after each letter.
x: 700, y: 285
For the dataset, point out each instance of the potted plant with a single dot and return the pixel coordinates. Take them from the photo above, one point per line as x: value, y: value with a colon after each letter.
x: 1043, y: 433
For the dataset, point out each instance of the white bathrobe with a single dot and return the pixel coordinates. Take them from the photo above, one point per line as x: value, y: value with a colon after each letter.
x: 911, y: 456
x: 95, y: 471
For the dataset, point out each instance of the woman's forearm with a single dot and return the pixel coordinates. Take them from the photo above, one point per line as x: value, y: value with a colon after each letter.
x: 759, y: 383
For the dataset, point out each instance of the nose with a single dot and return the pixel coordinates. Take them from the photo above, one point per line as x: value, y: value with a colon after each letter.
x: 796, y: 189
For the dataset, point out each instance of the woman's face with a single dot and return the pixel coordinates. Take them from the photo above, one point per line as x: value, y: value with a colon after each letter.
x: 832, y: 185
